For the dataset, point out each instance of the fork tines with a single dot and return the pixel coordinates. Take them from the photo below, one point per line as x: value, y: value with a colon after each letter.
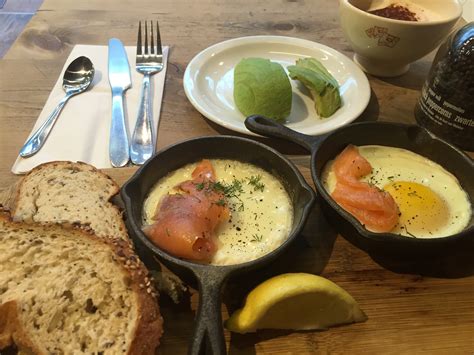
x: 144, y: 51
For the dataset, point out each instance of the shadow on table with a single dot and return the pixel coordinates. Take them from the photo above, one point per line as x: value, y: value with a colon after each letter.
x: 178, y: 324
x: 452, y: 265
x: 281, y: 145
x: 372, y: 111
x: 243, y: 344
x: 413, y: 79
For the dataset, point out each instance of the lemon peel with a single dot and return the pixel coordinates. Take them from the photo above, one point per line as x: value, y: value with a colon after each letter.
x: 297, y: 301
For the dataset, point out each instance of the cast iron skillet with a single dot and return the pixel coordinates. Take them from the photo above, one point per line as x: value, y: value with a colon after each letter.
x: 208, y: 333
x: 410, y: 137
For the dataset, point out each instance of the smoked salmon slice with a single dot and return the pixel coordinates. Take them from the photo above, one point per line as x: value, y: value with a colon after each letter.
x: 374, y: 208
x: 350, y: 166
x: 185, y: 221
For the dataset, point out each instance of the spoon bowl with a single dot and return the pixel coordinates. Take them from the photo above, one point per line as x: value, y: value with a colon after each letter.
x: 77, y: 79
x: 78, y: 75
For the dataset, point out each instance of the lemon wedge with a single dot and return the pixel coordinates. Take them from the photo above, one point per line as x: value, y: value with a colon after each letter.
x: 296, y: 301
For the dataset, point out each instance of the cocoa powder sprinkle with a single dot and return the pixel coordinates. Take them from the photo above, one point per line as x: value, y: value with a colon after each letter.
x: 396, y: 12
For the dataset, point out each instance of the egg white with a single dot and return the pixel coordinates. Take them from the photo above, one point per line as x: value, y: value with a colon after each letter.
x: 261, y: 226
x: 391, y: 164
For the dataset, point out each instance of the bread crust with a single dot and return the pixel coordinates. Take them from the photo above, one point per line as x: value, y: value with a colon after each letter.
x: 72, y: 166
x: 12, y: 331
x: 149, y: 325
x: 149, y: 329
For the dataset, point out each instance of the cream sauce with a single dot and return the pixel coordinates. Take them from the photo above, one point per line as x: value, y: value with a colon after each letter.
x: 260, y: 220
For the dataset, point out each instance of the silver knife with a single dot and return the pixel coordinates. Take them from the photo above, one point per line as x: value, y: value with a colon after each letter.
x: 120, y: 81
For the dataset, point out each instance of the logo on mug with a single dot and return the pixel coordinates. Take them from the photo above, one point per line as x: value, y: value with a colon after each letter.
x: 384, y: 38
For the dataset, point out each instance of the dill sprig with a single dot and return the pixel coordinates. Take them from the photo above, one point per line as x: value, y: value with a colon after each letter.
x: 230, y: 191
x: 220, y: 202
x: 255, y: 181
x: 408, y: 232
x: 256, y: 238
x: 241, y: 207
x: 414, y: 194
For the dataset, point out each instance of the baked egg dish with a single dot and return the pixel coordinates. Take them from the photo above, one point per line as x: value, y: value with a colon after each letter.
x: 431, y: 202
x: 254, y: 212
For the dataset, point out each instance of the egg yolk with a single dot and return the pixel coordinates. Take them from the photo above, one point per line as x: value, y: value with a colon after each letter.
x: 422, y: 211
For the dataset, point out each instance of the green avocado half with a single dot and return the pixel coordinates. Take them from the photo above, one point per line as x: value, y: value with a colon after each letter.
x: 262, y: 87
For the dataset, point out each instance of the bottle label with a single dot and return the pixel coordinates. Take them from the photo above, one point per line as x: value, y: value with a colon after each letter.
x: 442, y: 112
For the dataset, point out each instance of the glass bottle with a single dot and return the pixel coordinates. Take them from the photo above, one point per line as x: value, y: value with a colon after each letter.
x: 446, y: 105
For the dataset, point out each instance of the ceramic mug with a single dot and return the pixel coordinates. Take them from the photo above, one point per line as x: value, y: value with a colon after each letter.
x: 386, y: 47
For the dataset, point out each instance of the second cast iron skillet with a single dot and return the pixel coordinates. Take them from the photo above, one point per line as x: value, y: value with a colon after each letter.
x: 410, y: 137
x: 208, y: 334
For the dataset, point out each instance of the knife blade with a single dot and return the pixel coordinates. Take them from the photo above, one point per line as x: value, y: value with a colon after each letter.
x: 120, y: 81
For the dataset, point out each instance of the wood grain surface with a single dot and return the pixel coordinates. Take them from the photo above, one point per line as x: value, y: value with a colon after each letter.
x: 408, y: 313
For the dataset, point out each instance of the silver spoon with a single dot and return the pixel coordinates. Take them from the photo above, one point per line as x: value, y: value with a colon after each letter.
x: 77, y: 78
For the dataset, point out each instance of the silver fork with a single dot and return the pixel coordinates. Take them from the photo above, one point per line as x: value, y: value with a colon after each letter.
x: 149, y: 61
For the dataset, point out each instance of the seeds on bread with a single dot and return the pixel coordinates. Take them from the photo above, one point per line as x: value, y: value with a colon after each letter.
x: 63, y: 290
x: 75, y: 193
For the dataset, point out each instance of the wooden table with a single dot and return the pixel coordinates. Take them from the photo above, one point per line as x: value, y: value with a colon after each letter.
x: 408, y: 313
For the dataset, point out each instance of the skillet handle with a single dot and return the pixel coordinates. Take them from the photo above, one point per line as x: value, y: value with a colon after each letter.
x: 208, y: 334
x: 270, y: 128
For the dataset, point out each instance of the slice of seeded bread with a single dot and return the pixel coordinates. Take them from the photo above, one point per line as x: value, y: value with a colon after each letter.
x: 75, y: 193
x: 65, y: 291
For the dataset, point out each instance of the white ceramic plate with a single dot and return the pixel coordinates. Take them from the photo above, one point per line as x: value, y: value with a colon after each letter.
x: 209, y: 77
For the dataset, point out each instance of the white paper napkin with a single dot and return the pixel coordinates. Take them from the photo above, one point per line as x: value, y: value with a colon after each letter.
x: 81, y: 132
